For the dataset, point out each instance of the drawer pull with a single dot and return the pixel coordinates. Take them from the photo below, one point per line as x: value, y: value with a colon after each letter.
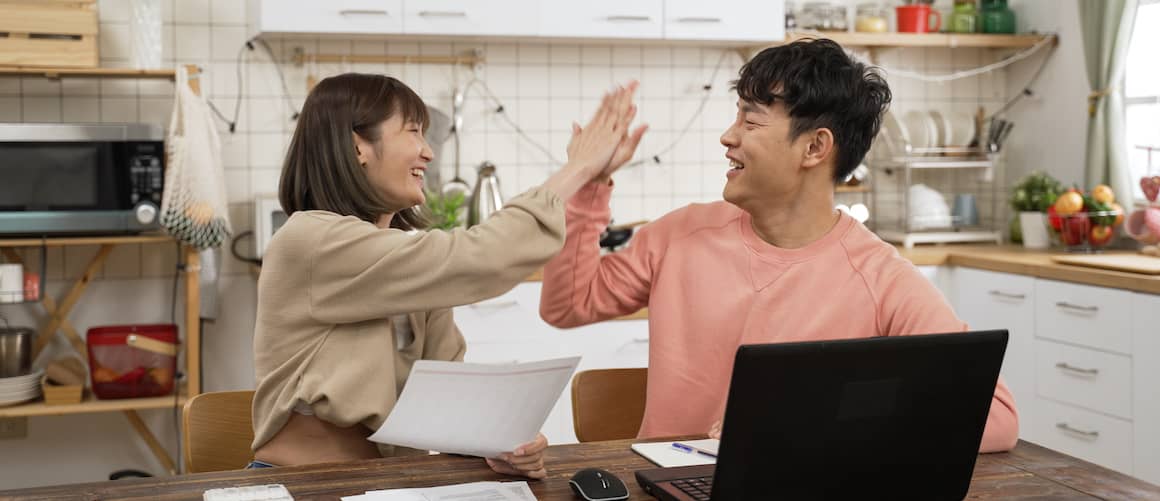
x: 495, y: 304
x: 1075, y: 307
x: 1077, y: 370
x: 1007, y: 295
x: 629, y: 18
x: 698, y: 19
x: 442, y: 13
x: 1066, y: 427
x: 363, y: 12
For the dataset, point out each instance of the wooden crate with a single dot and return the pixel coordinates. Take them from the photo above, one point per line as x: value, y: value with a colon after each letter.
x: 55, y: 394
x: 49, y: 33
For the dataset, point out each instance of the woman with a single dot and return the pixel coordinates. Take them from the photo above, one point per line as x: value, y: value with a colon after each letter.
x: 349, y: 297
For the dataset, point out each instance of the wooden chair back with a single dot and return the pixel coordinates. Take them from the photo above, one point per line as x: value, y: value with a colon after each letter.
x: 218, y: 431
x: 608, y: 404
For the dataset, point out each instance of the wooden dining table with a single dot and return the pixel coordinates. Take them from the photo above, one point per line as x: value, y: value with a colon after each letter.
x: 1027, y: 472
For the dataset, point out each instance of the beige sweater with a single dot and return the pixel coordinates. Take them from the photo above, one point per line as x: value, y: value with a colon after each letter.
x: 330, y: 284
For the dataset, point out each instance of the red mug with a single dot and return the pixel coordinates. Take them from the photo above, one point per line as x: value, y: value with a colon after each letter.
x: 916, y: 19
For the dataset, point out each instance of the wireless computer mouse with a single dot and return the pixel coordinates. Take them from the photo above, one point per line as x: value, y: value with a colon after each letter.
x: 594, y: 484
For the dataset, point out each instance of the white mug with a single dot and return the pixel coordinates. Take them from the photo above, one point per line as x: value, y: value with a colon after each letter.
x: 11, y: 283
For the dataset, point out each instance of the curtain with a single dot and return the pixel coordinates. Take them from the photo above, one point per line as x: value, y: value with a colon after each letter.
x: 1107, y: 31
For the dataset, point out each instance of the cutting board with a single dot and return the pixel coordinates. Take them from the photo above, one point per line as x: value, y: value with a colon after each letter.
x: 1132, y: 263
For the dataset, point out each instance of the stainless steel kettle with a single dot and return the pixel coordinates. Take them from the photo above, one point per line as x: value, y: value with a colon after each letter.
x: 486, y: 198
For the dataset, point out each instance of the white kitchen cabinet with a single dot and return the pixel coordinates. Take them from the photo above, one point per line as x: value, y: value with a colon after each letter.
x: 1086, y: 378
x: 604, y: 19
x: 990, y: 300
x: 1146, y: 391
x: 347, y: 17
x: 724, y: 20
x: 1085, y: 315
x: 472, y: 17
x: 1091, y: 436
x: 508, y: 329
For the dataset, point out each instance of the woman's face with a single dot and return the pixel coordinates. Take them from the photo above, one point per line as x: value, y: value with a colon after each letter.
x: 396, y: 162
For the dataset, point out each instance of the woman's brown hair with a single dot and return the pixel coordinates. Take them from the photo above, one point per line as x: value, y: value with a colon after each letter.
x: 322, y: 171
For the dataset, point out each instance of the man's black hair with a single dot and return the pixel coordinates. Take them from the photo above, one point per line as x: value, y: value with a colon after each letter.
x: 821, y: 87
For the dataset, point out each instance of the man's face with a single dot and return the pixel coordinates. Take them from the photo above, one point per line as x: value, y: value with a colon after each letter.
x: 764, y: 161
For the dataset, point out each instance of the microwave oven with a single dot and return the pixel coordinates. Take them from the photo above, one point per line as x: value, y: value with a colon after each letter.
x: 58, y: 179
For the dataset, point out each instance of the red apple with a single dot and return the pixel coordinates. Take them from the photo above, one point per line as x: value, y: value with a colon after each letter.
x: 1054, y: 219
x: 1101, y: 235
x: 1075, y: 229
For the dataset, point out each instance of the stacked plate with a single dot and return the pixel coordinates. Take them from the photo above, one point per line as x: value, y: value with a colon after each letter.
x: 14, y: 390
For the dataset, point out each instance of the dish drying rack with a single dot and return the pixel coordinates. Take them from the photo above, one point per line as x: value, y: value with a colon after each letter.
x: 910, y: 229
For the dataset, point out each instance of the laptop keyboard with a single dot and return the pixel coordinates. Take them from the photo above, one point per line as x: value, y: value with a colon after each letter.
x: 698, y: 488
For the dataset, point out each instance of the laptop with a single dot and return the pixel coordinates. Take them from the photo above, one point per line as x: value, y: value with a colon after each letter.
x: 897, y: 417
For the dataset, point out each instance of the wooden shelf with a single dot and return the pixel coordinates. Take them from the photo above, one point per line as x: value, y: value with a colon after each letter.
x: 95, y: 240
x: 86, y: 72
x: 949, y: 40
x: 90, y: 405
x: 852, y: 189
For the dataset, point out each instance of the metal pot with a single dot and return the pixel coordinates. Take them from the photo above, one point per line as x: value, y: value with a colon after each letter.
x: 15, y: 351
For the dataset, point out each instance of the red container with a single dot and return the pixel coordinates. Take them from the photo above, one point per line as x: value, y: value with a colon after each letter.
x: 916, y: 19
x: 132, y: 361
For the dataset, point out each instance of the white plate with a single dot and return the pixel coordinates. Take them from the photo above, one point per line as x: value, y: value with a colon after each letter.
x: 962, y: 127
x: 894, y: 133
x: 16, y: 380
x: 920, y: 128
x: 942, y: 128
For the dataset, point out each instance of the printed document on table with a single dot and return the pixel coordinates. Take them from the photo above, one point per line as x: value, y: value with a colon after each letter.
x: 475, y: 409
x: 476, y: 491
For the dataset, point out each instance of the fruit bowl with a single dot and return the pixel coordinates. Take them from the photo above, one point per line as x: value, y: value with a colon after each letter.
x: 1088, y: 231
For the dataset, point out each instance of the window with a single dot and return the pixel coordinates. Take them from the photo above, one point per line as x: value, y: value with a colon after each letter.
x: 1142, y: 94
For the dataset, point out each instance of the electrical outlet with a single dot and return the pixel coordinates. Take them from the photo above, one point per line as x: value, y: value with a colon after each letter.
x: 13, y: 428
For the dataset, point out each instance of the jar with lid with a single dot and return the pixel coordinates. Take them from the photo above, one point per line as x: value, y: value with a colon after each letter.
x: 964, y: 18
x: 823, y: 16
x: 997, y: 17
x: 871, y: 18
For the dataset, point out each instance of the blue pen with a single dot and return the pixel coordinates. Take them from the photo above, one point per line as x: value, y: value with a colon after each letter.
x: 690, y: 450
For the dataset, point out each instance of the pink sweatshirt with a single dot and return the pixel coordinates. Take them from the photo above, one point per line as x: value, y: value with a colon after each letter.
x: 711, y: 284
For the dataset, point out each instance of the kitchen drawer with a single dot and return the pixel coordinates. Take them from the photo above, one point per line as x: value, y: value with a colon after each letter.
x: 512, y: 316
x: 604, y: 19
x: 1103, y: 440
x: 333, y: 16
x: 724, y: 20
x: 1096, y: 317
x: 1091, y: 379
x: 472, y: 17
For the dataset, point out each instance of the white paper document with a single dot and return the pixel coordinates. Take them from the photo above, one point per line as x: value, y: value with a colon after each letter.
x: 665, y: 454
x: 475, y: 409
x: 476, y: 491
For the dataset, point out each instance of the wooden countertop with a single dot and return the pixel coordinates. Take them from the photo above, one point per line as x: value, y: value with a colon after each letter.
x: 1027, y: 472
x: 1015, y: 259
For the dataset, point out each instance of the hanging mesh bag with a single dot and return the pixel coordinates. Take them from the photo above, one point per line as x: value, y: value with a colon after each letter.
x: 193, y: 206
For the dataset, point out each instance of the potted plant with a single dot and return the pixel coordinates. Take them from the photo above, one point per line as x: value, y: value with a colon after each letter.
x: 1030, y: 198
x: 445, y: 210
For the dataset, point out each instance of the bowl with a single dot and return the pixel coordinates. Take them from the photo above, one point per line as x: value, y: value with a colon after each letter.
x: 1084, y: 231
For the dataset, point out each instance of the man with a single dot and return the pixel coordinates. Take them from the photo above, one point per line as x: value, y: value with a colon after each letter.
x: 774, y: 262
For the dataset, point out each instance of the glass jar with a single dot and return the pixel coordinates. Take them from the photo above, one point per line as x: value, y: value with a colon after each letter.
x: 871, y: 18
x: 964, y: 18
x: 823, y: 16
x: 996, y: 17
x: 790, y: 17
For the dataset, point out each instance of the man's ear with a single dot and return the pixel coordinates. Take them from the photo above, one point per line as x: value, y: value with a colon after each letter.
x: 820, y: 147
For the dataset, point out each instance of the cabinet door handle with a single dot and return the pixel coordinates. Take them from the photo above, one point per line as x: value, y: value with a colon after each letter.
x: 1066, y: 427
x: 1075, y: 307
x: 442, y: 13
x: 629, y: 18
x: 363, y: 12
x: 1006, y: 295
x: 698, y: 19
x: 495, y: 304
x: 1078, y: 370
